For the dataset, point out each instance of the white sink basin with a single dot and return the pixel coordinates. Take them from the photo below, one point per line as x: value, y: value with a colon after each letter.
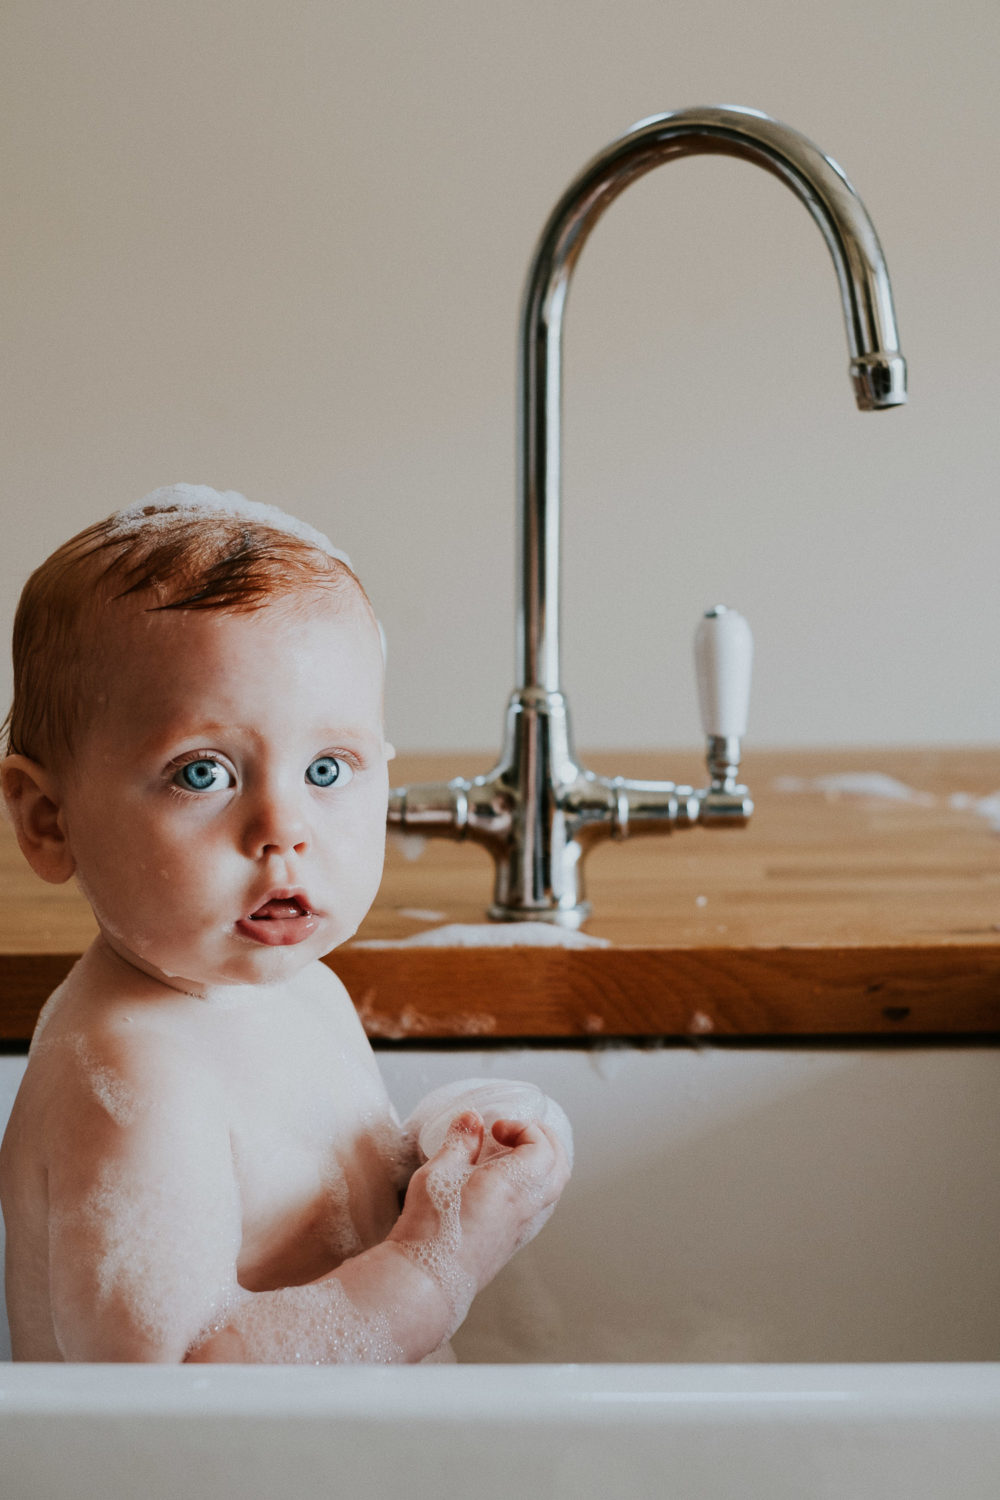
x: 776, y: 1273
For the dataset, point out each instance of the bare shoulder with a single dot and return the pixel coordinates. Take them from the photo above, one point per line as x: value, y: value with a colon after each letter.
x: 334, y: 1021
x: 318, y: 980
x: 109, y: 1015
x: 322, y: 987
x: 99, y: 1067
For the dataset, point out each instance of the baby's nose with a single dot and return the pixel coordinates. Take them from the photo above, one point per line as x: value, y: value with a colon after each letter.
x: 276, y: 824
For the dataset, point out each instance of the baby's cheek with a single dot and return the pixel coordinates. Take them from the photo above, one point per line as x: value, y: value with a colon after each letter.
x: 359, y: 857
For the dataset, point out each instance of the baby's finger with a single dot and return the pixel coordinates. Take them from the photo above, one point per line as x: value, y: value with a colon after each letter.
x: 535, y: 1148
x: 465, y: 1136
x: 519, y: 1134
x: 532, y: 1136
x: 541, y: 1150
x: 511, y: 1133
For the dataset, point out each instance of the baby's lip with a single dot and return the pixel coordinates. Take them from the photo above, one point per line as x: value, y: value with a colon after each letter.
x: 281, y: 906
x: 282, y: 919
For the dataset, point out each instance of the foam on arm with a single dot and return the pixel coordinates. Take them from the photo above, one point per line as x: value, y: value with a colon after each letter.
x: 144, y: 1221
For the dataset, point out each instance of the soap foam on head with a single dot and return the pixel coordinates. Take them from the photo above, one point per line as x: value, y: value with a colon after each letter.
x: 160, y: 507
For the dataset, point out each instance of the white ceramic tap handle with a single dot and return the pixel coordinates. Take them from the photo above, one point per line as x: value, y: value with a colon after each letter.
x: 723, y: 657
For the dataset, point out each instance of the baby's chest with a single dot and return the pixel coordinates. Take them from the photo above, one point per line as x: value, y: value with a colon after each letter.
x: 317, y: 1178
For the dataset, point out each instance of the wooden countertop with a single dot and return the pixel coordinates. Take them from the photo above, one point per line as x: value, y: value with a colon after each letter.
x: 832, y: 914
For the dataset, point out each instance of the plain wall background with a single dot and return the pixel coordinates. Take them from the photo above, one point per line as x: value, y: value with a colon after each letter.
x: 278, y: 246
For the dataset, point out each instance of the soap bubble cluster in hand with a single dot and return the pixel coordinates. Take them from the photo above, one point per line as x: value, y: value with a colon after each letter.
x: 441, y: 1118
x: 492, y: 1099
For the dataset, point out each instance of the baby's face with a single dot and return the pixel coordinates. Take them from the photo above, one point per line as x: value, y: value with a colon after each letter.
x: 226, y: 809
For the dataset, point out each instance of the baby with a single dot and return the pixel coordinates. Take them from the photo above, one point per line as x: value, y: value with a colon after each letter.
x: 202, y: 1163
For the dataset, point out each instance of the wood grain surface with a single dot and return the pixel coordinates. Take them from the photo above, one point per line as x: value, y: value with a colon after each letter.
x: 834, y: 913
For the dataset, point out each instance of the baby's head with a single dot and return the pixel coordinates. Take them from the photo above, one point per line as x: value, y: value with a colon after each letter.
x: 196, y: 733
x: 182, y: 547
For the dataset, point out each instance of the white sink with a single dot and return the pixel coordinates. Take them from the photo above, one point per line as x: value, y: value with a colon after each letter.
x: 775, y: 1273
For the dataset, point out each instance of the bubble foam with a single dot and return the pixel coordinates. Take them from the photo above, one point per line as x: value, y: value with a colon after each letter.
x: 438, y: 1256
x: 161, y: 505
x: 317, y: 1324
x: 493, y: 1099
x: 489, y: 934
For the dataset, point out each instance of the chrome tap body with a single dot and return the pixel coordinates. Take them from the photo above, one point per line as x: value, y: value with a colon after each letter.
x: 539, y: 810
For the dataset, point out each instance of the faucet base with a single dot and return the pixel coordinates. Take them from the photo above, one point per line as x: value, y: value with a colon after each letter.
x: 539, y: 812
x: 571, y: 917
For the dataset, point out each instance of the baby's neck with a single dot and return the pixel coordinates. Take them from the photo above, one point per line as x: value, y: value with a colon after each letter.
x: 125, y: 966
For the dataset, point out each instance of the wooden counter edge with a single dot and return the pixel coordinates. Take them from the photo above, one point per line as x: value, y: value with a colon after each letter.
x: 563, y: 994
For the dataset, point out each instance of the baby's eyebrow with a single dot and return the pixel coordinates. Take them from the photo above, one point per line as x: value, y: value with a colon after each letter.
x: 342, y: 736
x: 324, y: 736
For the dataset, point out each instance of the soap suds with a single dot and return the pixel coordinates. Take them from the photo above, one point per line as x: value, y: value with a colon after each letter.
x: 394, y: 1149
x: 492, y: 935
x: 410, y: 845
x: 873, y: 784
x: 160, y: 506
x: 420, y: 914
x: 876, y: 786
x: 438, y: 1257
x: 410, y: 1022
x: 47, y: 1012
x: 110, y: 1090
x: 492, y: 1099
x: 429, y: 1126
x: 310, y: 1325
x: 460, y: 1023
x: 983, y: 807
x: 340, y: 1226
x: 132, y: 1222
x: 608, y: 1059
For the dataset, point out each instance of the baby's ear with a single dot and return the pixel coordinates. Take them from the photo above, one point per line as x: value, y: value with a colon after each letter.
x: 34, y: 805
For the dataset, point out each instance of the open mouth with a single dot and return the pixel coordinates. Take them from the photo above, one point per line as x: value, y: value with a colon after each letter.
x: 278, y: 921
x: 280, y: 907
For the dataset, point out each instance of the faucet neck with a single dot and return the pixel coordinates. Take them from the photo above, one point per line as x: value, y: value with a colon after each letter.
x: 877, y: 369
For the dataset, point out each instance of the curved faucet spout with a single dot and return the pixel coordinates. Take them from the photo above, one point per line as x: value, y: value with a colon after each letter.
x: 877, y: 369
x: 539, y: 811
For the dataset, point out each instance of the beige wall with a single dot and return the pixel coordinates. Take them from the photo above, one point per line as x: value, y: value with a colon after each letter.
x: 277, y: 245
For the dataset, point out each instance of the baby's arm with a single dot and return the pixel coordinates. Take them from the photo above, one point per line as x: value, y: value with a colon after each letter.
x: 143, y: 1204
x: 398, y: 1302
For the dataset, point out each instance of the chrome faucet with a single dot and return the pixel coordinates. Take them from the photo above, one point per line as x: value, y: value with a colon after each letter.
x: 539, y: 810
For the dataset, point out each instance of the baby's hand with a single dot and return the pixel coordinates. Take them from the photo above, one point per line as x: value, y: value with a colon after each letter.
x: 478, y: 1200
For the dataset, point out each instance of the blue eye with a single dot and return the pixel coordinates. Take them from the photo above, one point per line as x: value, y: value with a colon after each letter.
x: 327, y: 770
x: 204, y: 776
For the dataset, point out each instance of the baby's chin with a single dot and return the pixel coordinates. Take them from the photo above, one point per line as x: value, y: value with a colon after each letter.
x: 204, y: 976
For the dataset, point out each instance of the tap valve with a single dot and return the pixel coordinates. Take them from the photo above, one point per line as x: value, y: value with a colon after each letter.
x: 723, y: 656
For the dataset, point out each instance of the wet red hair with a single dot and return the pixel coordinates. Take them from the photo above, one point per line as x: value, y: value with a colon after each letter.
x: 174, y: 560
